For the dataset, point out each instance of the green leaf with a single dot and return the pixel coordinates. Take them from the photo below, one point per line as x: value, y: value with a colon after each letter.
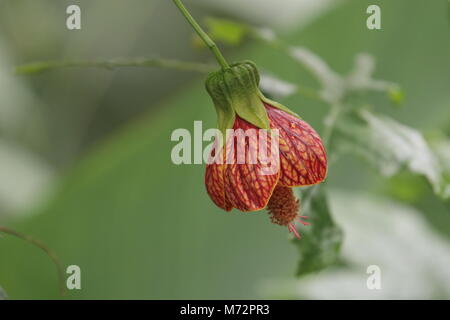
x: 407, y: 188
x: 335, y: 87
x: 396, y: 95
x: 320, y: 244
x: 378, y: 231
x: 226, y: 31
x: 140, y: 226
x: 391, y: 146
x: 441, y: 147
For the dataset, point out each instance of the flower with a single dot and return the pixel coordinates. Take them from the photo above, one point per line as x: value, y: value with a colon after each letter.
x: 296, y: 150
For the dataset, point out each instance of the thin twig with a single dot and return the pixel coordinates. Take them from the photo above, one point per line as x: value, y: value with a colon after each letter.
x: 203, y: 35
x: 39, y: 67
x: 44, y: 248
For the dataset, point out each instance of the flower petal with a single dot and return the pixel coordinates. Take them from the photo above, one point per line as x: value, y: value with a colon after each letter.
x: 215, y: 183
x: 249, y: 178
x: 302, y: 154
x: 243, y: 179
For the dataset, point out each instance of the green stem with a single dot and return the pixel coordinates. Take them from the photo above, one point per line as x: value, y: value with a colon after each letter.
x: 38, y: 67
x: 203, y: 35
x: 44, y: 248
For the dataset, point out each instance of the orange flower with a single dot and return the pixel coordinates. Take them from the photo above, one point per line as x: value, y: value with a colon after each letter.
x: 299, y: 157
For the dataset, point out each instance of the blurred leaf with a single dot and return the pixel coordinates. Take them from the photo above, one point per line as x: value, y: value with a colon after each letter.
x: 441, y: 148
x: 226, y: 31
x: 335, y: 87
x: 414, y: 259
x: 140, y: 226
x: 320, y: 243
x: 3, y: 295
x: 24, y: 177
x: 406, y: 187
x: 390, y: 146
x: 396, y: 95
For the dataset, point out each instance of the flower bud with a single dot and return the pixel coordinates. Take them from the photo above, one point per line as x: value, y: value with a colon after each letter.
x: 235, y: 91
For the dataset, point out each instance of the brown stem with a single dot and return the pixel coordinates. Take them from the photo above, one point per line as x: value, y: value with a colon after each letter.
x: 44, y: 248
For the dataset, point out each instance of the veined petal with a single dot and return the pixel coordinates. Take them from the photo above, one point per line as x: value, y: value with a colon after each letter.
x: 215, y: 182
x: 249, y: 178
x: 302, y: 154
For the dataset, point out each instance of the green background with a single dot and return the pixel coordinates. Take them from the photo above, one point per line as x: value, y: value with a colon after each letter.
x: 141, y: 227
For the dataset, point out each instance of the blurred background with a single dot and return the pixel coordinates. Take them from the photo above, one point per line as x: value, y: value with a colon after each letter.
x: 85, y: 154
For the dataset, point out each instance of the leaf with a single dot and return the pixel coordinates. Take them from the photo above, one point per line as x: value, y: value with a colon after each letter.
x: 226, y: 31
x: 396, y: 95
x: 24, y: 177
x: 441, y: 148
x: 3, y: 295
x: 413, y: 258
x: 333, y: 85
x: 391, y: 146
x: 336, y: 87
x: 320, y: 243
x: 127, y: 213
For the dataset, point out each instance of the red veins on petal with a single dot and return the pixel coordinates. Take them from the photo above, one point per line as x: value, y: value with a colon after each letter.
x: 302, y: 154
x: 215, y: 184
x: 246, y: 187
x: 241, y: 181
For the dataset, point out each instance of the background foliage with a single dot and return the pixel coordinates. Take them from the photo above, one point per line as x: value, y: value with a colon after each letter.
x: 141, y: 227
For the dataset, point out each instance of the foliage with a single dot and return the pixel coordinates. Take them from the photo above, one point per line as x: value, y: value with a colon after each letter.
x: 391, y: 146
x: 225, y: 31
x: 320, y: 244
x: 385, y: 143
x: 413, y: 258
x: 124, y: 195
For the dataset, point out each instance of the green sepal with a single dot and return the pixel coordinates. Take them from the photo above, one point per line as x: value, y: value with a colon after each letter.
x: 225, y: 120
x: 235, y: 90
x: 277, y: 105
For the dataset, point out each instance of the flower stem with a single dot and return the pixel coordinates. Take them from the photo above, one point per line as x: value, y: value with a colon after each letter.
x: 44, y: 248
x: 203, y: 35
